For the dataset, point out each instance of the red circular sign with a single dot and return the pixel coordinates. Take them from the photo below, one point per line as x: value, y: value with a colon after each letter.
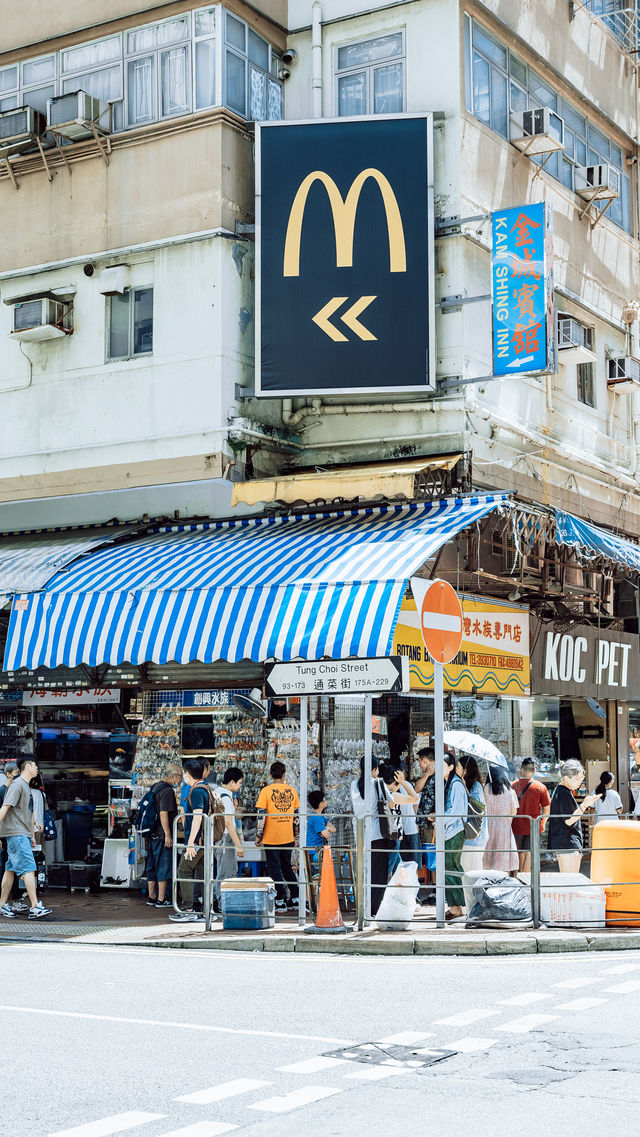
x: 441, y: 622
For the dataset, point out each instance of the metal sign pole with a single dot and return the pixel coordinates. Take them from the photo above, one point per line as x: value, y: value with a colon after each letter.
x: 302, y: 884
x: 438, y: 706
x: 368, y: 800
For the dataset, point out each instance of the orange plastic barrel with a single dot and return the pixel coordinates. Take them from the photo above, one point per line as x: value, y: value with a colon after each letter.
x: 615, y: 864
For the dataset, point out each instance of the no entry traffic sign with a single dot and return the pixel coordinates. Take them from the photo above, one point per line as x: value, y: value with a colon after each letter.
x: 440, y: 615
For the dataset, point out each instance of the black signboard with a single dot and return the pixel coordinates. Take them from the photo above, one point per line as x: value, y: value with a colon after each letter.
x: 344, y: 233
x: 585, y: 661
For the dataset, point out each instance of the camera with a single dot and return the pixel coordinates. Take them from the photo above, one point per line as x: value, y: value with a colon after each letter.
x: 289, y: 56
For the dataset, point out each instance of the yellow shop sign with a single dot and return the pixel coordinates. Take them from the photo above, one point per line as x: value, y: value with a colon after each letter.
x: 494, y: 653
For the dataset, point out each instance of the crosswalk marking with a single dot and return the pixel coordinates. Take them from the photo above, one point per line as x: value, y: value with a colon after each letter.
x: 314, y: 1065
x: 376, y: 1073
x: 202, y: 1129
x: 621, y: 969
x: 222, y: 1091
x: 470, y: 1044
x: 465, y: 1018
x: 624, y: 988
x: 580, y: 1004
x: 524, y: 1000
x: 108, y: 1125
x: 405, y: 1038
x: 574, y: 984
x: 527, y: 1022
x: 295, y: 1100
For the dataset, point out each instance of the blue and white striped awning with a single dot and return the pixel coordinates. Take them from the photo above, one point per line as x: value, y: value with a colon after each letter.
x: 288, y: 587
x: 593, y: 542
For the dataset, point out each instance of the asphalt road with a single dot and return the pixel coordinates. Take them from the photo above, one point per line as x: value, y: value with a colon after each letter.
x: 152, y: 1043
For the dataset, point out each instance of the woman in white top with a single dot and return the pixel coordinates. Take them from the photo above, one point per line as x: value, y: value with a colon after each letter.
x: 381, y: 847
x: 608, y: 803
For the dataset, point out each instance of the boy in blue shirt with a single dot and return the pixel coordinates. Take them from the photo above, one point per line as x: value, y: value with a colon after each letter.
x: 319, y: 829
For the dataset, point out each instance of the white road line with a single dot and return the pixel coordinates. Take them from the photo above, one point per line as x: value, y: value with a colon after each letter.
x: 376, y: 1073
x: 201, y: 1129
x: 624, y: 988
x: 580, y: 1004
x: 465, y: 1018
x: 314, y: 1065
x: 524, y: 1000
x: 107, y: 1125
x: 222, y: 1091
x: 174, y: 1025
x: 470, y: 1044
x: 295, y: 1100
x: 621, y: 969
x: 575, y: 984
x: 405, y: 1038
x: 527, y: 1022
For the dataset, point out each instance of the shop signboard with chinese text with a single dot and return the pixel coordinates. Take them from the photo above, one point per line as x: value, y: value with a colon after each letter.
x: 586, y: 661
x: 337, y: 677
x: 494, y: 654
x: 71, y: 697
x: 345, y: 256
x: 523, y: 322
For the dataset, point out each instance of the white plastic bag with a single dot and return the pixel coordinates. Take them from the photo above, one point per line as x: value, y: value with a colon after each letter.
x: 398, y: 904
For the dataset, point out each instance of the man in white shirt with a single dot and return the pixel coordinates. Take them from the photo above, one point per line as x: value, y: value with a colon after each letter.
x: 231, y: 846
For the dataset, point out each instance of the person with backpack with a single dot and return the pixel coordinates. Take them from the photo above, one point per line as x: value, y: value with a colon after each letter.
x: 156, y: 814
x: 202, y: 800
x: 231, y: 846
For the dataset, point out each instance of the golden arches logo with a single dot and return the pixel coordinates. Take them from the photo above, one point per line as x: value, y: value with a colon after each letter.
x: 344, y: 220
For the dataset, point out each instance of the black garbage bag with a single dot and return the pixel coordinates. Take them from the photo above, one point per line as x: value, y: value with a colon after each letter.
x: 499, y: 901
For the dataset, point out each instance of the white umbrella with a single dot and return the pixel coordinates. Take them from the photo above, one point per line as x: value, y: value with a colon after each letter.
x: 475, y: 744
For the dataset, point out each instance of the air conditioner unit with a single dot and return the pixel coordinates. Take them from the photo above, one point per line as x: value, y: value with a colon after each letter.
x: 36, y: 320
x: 22, y: 125
x: 75, y: 114
x: 574, y: 341
x: 597, y: 183
x: 539, y: 131
x: 624, y: 373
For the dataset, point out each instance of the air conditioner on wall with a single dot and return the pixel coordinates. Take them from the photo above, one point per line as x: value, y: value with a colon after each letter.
x: 597, y: 183
x: 574, y: 341
x: 623, y: 373
x: 539, y: 131
x: 22, y: 125
x: 76, y: 114
x: 36, y: 320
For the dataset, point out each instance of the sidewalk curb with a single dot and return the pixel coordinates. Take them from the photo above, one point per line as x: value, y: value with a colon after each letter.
x: 359, y: 944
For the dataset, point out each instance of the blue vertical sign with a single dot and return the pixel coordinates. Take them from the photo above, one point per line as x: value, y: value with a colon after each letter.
x: 523, y: 322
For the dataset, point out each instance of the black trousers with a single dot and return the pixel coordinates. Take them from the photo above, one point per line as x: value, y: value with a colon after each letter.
x: 380, y: 853
x: 279, y: 868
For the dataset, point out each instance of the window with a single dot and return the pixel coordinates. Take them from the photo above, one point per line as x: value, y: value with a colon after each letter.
x: 370, y: 76
x: 252, y: 84
x: 586, y: 384
x: 500, y: 84
x: 130, y: 323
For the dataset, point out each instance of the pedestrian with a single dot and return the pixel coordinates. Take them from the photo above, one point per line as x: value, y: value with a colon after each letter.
x: 197, y: 807
x: 382, y: 845
x: 16, y: 827
x: 231, y: 846
x: 456, y: 808
x: 159, y: 870
x: 425, y: 785
x: 278, y: 830
x: 565, y: 830
x: 501, y: 852
x: 473, y: 849
x: 406, y: 801
x: 533, y: 802
x: 319, y: 830
x: 608, y: 803
x: 10, y: 772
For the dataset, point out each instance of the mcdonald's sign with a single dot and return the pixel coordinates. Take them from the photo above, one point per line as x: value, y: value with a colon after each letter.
x: 344, y: 243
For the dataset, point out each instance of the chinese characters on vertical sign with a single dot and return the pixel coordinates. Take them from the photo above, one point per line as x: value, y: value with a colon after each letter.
x: 522, y: 290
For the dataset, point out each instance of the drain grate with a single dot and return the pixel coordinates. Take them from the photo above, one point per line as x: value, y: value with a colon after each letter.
x: 409, y: 1057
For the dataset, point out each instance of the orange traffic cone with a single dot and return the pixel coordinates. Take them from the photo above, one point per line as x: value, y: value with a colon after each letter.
x: 328, y: 918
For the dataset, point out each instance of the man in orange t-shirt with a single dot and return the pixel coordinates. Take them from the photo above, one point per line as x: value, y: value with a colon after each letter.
x: 278, y: 830
x: 533, y: 801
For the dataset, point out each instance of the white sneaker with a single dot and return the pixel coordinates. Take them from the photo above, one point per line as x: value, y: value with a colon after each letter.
x: 20, y: 906
x: 38, y: 911
x: 6, y: 910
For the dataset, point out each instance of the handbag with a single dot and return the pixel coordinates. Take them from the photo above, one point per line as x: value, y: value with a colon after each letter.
x: 49, y: 825
x: 475, y: 817
x: 388, y: 823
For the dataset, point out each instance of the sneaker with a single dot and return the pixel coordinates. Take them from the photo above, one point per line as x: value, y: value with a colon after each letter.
x: 162, y: 903
x: 152, y: 902
x: 281, y: 906
x: 38, y: 911
x: 20, y: 906
x: 6, y: 910
x: 186, y: 917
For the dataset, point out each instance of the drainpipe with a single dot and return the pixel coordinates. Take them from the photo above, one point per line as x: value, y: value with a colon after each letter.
x: 316, y: 60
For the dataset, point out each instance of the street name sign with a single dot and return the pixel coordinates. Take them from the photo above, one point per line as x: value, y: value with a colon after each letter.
x: 337, y: 676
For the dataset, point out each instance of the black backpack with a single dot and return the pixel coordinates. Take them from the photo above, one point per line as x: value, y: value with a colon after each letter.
x: 147, y: 815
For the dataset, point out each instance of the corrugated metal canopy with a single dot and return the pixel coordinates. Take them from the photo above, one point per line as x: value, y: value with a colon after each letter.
x: 384, y: 479
x: 29, y: 561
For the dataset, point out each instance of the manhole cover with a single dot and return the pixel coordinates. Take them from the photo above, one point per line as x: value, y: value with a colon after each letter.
x: 410, y: 1057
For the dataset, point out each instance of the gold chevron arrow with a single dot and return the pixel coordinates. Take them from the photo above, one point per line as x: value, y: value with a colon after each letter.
x: 350, y: 318
x: 321, y: 318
